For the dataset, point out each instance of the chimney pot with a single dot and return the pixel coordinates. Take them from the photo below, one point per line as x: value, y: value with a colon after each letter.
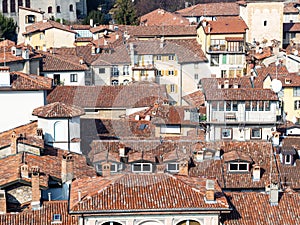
x: 14, y: 143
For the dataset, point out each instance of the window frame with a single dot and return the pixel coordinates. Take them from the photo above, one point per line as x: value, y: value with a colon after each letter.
x: 253, y: 136
x: 238, y: 166
x: 297, y: 105
x: 171, y: 57
x: 215, y: 57
x: 73, y: 77
x: 176, y: 164
x: 101, y: 70
x: 142, y: 165
x: 229, y: 137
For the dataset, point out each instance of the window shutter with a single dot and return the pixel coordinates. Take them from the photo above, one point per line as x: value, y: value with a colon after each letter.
x: 167, y: 72
x: 175, y: 72
x: 168, y: 86
x: 176, y: 88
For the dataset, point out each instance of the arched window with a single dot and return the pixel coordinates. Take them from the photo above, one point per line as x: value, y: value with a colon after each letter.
x: 4, y: 6
x: 50, y: 9
x: 71, y: 9
x: 189, y: 222
x: 58, y: 9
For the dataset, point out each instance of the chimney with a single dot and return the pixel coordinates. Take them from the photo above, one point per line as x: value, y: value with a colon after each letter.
x: 39, y: 133
x: 35, y: 184
x: 122, y: 152
x: 183, y: 168
x: 14, y: 143
x: 256, y: 173
x: 160, y: 168
x: 235, y: 85
x: 274, y: 197
x: 106, y: 169
x: 199, y: 156
x: 2, y: 202
x: 91, y: 22
x: 24, y: 171
x: 79, y: 196
x: 67, y: 168
x: 162, y: 42
x: 210, y: 191
x: 226, y: 83
x: 4, y: 76
x: 131, y: 48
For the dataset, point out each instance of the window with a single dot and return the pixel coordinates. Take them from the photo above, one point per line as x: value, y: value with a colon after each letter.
x: 101, y: 70
x: 221, y: 106
x: 223, y: 74
x: 234, y: 46
x: 27, y: 3
x: 142, y: 167
x: 71, y: 8
x: 260, y: 105
x: 50, y: 9
x: 12, y: 6
x: 171, y: 72
x: 158, y: 57
x: 4, y: 6
x: 224, y: 59
x: 255, y: 133
x: 226, y: 133
x: 265, y: 23
x: 196, y: 77
x: 234, y: 106
x: 238, y: 167
x: 297, y: 105
x: 173, y: 167
x: 254, y: 105
x: 267, y: 105
x: 214, y: 60
x: 296, y: 92
x: 30, y: 19
x: 126, y: 70
x: 41, y: 36
x: 288, y: 159
x: 115, y: 71
x: 171, y: 57
x: 56, y: 217
x: 126, y: 81
x: 158, y: 73
x: 228, y: 106
x: 20, y: 2
x: 56, y: 79
x: 58, y: 9
x: 217, y: 45
x: 115, y: 82
x: 214, y: 106
x: 73, y: 77
x: 172, y: 88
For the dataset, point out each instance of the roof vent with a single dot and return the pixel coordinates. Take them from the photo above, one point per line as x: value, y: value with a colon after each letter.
x: 210, y: 191
x: 274, y: 194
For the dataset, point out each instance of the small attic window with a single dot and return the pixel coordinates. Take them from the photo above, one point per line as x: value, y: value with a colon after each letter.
x: 238, y: 167
x: 56, y: 218
x: 288, y: 81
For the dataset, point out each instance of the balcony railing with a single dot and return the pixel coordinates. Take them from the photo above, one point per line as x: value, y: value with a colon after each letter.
x: 222, y: 48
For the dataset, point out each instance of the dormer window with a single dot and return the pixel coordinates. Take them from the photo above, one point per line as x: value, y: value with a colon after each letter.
x: 56, y: 218
x: 142, y: 167
x: 238, y: 167
x: 113, y: 167
x: 173, y: 167
x: 288, y: 81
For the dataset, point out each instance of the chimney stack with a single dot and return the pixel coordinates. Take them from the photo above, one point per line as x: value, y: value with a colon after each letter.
x: 274, y: 194
x: 183, y: 168
x: 14, y: 143
x: 67, y: 168
x: 39, y: 133
x: 106, y: 169
x: 35, y: 184
x: 256, y: 173
x: 160, y: 168
x: 24, y: 171
x: 2, y: 202
x: 210, y: 191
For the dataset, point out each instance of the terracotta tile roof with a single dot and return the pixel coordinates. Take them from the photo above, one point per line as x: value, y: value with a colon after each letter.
x: 254, y: 208
x: 163, y: 31
x: 22, y: 81
x: 195, y: 99
x: 236, y: 156
x: 211, y: 9
x: 130, y: 193
x: 57, y: 62
x: 127, y: 96
x: 42, y: 216
x: 50, y: 165
x: 291, y: 27
x: 185, y: 52
x: 32, y: 10
x: 101, y: 28
x: 80, y: 27
x: 258, y: 151
x: 291, y: 8
x: 232, y: 25
x: 27, y: 130
x: 79, y: 51
x: 45, y: 25
x: 58, y: 110
x: 108, y: 41
x: 161, y: 17
x: 84, y: 39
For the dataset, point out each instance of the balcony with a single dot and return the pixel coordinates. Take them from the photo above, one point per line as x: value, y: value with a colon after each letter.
x: 217, y: 48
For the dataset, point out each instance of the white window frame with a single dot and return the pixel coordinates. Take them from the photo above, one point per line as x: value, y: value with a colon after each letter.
x: 56, y: 217
x: 158, y: 57
x: 171, y: 57
x: 238, y: 166
x: 73, y: 77
x: 142, y: 167
x: 287, y: 159
x: 171, y: 73
x: 260, y: 133
x: 173, y: 170
x: 172, y: 88
x: 223, y: 130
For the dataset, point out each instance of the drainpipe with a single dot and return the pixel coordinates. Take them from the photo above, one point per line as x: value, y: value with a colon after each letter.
x: 69, y: 134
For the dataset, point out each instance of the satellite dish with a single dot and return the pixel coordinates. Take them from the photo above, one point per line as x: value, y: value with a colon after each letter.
x: 276, y: 85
